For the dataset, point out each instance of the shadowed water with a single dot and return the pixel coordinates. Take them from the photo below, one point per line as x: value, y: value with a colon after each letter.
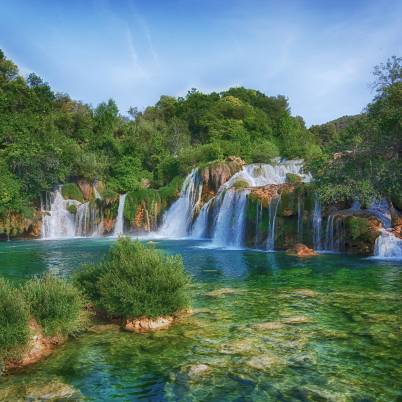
x: 331, y: 331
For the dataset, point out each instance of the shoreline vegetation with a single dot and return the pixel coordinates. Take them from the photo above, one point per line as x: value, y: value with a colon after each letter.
x: 96, y: 153
x: 135, y: 287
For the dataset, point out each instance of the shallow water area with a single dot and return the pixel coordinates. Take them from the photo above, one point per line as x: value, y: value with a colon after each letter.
x: 266, y: 326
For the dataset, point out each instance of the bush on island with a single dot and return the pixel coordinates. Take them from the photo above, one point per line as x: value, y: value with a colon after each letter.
x: 57, y: 305
x: 134, y: 281
x: 14, y: 316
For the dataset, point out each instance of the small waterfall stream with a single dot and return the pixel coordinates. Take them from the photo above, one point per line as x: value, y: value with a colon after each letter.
x: 317, y: 218
x: 272, y: 210
x: 119, y: 225
x: 387, y: 245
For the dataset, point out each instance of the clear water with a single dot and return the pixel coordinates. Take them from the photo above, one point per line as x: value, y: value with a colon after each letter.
x: 349, y: 348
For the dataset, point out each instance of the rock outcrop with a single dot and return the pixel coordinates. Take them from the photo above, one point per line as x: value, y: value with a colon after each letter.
x: 39, y: 346
x: 301, y: 250
x: 145, y: 324
x: 215, y: 174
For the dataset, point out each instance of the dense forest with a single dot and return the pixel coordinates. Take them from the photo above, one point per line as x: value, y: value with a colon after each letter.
x: 46, y: 138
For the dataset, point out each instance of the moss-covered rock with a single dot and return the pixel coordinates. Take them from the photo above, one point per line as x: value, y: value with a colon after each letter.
x: 71, y: 191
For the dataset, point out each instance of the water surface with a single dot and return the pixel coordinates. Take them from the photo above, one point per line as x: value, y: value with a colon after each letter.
x: 334, y: 331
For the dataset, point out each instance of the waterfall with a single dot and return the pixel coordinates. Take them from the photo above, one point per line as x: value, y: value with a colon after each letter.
x: 200, y: 227
x: 262, y: 174
x: 317, y: 223
x: 329, y: 237
x: 57, y: 221
x: 300, y: 208
x: 179, y: 218
x: 96, y: 194
x: 387, y: 245
x: 258, y: 220
x: 272, y: 211
x: 230, y: 221
x: 119, y: 225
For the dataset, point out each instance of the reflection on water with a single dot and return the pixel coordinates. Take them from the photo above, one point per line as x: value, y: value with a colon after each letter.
x: 319, y: 329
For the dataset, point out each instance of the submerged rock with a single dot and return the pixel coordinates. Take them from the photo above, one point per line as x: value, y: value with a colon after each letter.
x: 298, y: 319
x: 198, y: 370
x: 265, y: 362
x: 268, y: 326
x: 305, y: 292
x: 145, y: 324
x: 301, y: 250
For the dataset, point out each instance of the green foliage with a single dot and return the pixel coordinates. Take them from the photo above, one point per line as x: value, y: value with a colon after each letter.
x: 264, y: 152
x: 240, y: 184
x: 71, y: 191
x: 14, y: 315
x: 128, y: 173
x: 56, y: 305
x: 135, y: 280
x: 143, y: 196
x: 72, y: 209
x: 293, y: 178
x: 358, y: 228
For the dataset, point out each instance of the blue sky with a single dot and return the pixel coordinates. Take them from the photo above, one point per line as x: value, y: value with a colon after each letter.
x: 320, y: 54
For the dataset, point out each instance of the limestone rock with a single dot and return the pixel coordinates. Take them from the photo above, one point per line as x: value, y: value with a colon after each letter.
x: 298, y: 319
x: 145, y: 324
x: 198, y: 370
x: 301, y: 250
x: 264, y: 362
x: 269, y: 326
x: 86, y: 189
x: 39, y: 346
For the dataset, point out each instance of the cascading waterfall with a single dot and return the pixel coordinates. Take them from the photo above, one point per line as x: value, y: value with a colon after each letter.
x: 179, y: 218
x: 387, y: 245
x: 317, y: 218
x: 329, y: 237
x: 200, y: 227
x: 227, y: 211
x: 119, y: 225
x: 262, y: 174
x: 272, y: 212
x: 57, y: 221
x: 230, y: 221
x: 258, y: 220
x: 300, y: 218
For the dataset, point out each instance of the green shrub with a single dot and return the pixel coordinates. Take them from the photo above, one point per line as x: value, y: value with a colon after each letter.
x: 72, y: 209
x: 240, y: 184
x: 264, y: 152
x: 358, y: 228
x: 55, y: 304
x: 71, y: 191
x: 14, y: 315
x: 293, y: 178
x: 135, y: 280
